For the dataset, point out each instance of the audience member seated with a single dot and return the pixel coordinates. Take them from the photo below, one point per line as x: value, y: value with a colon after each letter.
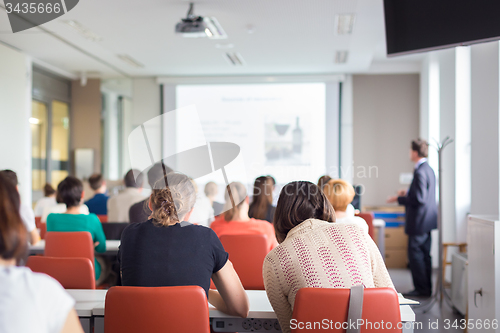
x: 140, y: 211
x: 61, y: 208
x: 262, y: 201
x: 203, y: 212
x: 48, y: 200
x: 322, y: 181
x: 167, y: 251
x: 99, y: 202
x: 340, y: 193
x: 119, y: 205
x: 30, y: 302
x: 235, y: 219
x: 316, y: 251
x: 27, y: 215
x: 211, y: 191
x: 70, y: 192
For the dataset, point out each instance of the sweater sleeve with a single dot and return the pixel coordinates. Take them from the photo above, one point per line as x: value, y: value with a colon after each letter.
x: 99, y: 234
x: 278, y: 300
x: 381, y: 277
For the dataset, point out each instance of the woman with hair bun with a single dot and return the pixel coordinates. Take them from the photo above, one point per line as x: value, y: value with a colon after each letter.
x: 167, y: 251
x: 235, y: 219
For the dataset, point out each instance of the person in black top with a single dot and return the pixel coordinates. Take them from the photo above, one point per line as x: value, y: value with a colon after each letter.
x: 262, y: 207
x: 421, y: 218
x: 166, y: 251
x: 140, y: 211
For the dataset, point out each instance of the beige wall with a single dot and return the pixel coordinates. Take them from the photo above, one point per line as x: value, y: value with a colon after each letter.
x: 86, y: 118
x: 385, y: 120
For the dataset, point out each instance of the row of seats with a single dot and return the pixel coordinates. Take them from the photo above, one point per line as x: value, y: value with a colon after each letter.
x: 185, y: 309
x: 246, y: 252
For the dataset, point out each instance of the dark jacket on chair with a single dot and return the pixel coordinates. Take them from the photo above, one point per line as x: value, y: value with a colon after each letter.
x: 420, y: 202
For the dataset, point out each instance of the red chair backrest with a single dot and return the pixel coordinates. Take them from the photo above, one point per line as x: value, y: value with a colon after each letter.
x: 156, y: 309
x: 247, y: 253
x: 43, y: 230
x: 69, y: 245
x: 368, y: 217
x: 103, y: 218
x: 316, y: 304
x: 72, y: 273
x: 38, y: 221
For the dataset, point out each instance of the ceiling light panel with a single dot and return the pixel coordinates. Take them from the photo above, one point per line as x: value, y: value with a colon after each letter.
x: 90, y: 35
x: 341, y: 57
x: 344, y: 23
x: 131, y: 61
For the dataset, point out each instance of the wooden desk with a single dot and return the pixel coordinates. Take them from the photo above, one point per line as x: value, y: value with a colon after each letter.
x: 111, y: 247
x: 261, y: 317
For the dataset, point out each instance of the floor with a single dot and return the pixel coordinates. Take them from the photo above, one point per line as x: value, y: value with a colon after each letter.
x: 435, y: 320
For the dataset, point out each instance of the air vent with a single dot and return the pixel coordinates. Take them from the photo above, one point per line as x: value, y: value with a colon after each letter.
x: 234, y: 58
x: 344, y: 23
x: 214, y: 29
x: 90, y: 35
x: 131, y: 61
x: 341, y: 57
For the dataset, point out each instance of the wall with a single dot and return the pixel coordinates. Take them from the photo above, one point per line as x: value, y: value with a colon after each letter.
x: 86, y: 118
x: 15, y: 111
x: 385, y: 120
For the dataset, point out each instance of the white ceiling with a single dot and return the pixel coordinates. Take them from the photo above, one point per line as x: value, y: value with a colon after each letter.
x: 290, y: 37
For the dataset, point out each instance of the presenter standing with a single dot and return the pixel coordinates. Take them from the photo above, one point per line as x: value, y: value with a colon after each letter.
x: 421, y: 218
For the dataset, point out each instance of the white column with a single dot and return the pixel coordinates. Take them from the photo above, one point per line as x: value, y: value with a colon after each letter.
x: 430, y: 122
x: 462, y: 140
x: 346, y: 139
x: 15, y: 112
x: 485, y: 129
x: 447, y: 79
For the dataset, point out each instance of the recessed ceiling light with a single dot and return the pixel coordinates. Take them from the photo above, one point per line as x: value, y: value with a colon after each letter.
x: 344, y: 23
x: 34, y: 121
x: 131, y: 61
x: 341, y: 57
x: 83, y: 31
x: 224, y: 46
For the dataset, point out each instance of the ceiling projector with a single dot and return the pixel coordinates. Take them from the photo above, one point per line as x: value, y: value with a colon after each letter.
x: 197, y: 26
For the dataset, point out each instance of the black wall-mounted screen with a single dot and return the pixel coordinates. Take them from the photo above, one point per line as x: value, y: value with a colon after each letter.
x: 421, y: 25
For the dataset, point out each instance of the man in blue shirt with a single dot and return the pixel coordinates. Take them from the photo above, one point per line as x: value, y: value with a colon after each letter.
x: 99, y: 203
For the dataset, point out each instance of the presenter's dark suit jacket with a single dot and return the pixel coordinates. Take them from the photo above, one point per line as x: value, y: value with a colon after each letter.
x: 420, y: 202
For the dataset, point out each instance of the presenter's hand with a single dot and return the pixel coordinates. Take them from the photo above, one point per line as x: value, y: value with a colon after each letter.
x: 392, y: 199
x: 402, y: 193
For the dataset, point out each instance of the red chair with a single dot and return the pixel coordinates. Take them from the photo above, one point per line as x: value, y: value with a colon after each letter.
x: 368, y: 217
x: 69, y: 245
x: 38, y: 221
x: 156, y: 309
x: 247, y: 253
x: 103, y: 218
x: 43, y: 230
x: 72, y: 273
x: 317, y: 304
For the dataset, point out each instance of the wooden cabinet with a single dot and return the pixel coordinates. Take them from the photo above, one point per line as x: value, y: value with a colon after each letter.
x: 484, y: 271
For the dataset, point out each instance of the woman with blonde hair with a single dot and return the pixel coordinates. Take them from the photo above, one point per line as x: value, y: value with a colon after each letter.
x: 340, y: 194
x: 167, y: 251
x: 235, y: 219
x: 262, y: 201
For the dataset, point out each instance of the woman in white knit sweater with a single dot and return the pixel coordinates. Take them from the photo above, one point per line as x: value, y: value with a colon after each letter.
x: 315, y: 251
